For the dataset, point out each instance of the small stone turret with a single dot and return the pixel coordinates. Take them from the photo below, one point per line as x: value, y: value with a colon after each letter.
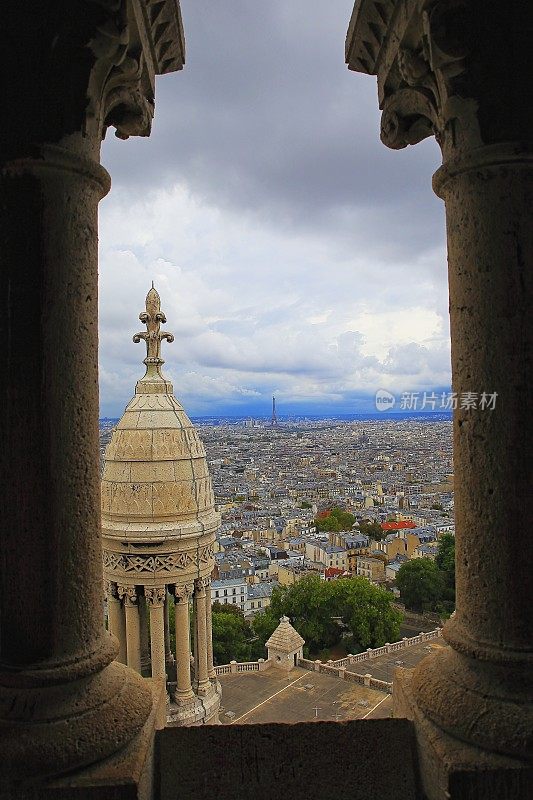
x: 285, y: 646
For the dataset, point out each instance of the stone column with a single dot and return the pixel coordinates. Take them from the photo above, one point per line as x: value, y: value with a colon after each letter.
x: 183, y: 646
x: 146, y: 664
x: 209, y: 631
x: 169, y: 658
x: 133, y: 626
x: 490, y: 244
x: 117, y: 620
x: 441, y: 70
x: 155, y: 598
x: 64, y: 700
x: 200, y: 619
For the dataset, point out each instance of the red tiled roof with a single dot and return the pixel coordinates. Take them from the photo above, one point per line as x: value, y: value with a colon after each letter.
x: 331, y: 572
x: 396, y: 526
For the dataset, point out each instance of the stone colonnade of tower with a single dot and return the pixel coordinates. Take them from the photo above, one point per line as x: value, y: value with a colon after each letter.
x: 158, y: 528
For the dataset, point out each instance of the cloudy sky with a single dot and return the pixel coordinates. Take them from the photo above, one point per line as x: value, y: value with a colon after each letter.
x: 295, y: 255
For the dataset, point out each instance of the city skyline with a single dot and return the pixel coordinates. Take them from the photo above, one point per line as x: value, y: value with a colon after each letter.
x: 295, y: 255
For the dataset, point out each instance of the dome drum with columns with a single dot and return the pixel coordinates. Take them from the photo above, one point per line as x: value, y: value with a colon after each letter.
x: 158, y: 527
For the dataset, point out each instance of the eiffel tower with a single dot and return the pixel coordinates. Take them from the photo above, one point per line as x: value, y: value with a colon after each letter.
x: 274, y: 420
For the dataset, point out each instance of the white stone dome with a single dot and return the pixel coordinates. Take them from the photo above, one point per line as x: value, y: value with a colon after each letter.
x: 158, y: 510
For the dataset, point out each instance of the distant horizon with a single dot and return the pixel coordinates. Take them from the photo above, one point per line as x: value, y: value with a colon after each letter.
x: 358, y: 404
x: 293, y: 417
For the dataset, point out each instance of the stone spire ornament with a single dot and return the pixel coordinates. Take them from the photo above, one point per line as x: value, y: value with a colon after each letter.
x: 153, y: 336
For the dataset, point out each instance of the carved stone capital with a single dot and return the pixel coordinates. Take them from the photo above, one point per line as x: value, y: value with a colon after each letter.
x: 110, y: 590
x: 434, y: 72
x: 201, y: 585
x: 182, y: 592
x: 89, y: 65
x: 155, y: 595
x: 128, y: 594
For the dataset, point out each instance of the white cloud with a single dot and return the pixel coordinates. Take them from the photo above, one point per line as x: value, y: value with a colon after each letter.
x: 256, y: 310
x: 294, y: 254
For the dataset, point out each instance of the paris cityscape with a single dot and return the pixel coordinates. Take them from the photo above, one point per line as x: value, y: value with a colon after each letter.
x: 309, y: 500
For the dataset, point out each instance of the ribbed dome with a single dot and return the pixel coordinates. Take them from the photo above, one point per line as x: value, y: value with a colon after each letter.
x: 155, y: 481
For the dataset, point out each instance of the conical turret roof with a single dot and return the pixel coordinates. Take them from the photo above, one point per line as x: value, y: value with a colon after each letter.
x: 285, y: 638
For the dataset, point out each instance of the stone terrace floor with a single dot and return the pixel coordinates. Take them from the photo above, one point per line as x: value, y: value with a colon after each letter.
x: 272, y: 696
x: 383, y: 667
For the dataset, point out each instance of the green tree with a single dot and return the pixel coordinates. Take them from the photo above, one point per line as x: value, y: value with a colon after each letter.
x: 421, y: 584
x: 445, y: 562
x: 305, y: 504
x: 263, y: 626
x: 325, y: 612
x: 232, y: 635
x: 366, y: 611
x: 372, y: 529
x: 336, y: 520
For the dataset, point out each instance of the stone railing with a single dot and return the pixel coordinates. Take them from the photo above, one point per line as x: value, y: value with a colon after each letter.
x: 338, y: 668
x: 243, y: 666
x: 342, y: 673
x: 369, y: 681
x: 387, y: 648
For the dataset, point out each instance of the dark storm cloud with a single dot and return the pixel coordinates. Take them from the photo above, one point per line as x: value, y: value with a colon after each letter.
x: 266, y: 117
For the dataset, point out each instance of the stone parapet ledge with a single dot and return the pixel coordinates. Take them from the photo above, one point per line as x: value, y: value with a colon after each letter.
x: 304, y: 761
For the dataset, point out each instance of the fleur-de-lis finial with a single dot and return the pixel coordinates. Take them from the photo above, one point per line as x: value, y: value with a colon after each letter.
x: 153, y: 336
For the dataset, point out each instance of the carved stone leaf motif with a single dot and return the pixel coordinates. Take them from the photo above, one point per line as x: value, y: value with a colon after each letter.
x: 128, y: 594
x: 201, y: 584
x: 127, y: 106
x: 155, y: 595
x: 182, y: 592
x: 409, y: 115
x: 428, y: 98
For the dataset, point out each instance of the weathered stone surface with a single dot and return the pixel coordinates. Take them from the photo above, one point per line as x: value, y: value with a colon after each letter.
x: 315, y: 761
x: 440, y: 69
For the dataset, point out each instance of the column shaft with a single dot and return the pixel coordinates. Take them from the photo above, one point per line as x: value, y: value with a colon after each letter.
x: 49, y: 280
x: 57, y: 668
x: 133, y: 632
x: 117, y: 625
x: 490, y: 242
x: 209, y: 633
x: 146, y: 666
x: 183, y: 645
x: 155, y: 599
x: 168, y: 649
x: 200, y: 616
